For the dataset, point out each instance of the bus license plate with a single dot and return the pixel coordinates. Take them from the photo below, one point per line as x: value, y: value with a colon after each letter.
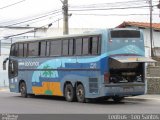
x: 128, y: 89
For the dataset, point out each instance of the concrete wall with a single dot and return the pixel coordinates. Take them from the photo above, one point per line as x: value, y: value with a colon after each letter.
x: 153, y: 71
x: 153, y: 85
x: 153, y: 80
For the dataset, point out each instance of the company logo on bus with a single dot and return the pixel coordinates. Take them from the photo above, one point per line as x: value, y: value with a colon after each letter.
x: 28, y: 64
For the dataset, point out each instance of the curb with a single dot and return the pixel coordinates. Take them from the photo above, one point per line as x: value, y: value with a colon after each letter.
x: 136, y: 99
x: 141, y: 99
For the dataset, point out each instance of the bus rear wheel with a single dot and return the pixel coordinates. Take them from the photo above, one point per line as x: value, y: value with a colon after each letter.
x: 69, y: 93
x: 80, y: 93
x: 23, y: 89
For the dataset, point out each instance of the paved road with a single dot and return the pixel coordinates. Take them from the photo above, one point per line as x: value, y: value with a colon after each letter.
x: 13, y: 103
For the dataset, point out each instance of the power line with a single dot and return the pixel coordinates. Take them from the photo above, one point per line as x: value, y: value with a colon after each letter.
x: 12, y: 4
x: 30, y: 31
x: 30, y: 17
x: 51, y: 23
x: 54, y: 12
x: 107, y: 3
x: 42, y: 19
x: 126, y: 3
x: 111, y: 14
x: 112, y: 8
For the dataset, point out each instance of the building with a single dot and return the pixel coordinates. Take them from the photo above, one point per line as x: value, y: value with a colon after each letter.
x: 145, y: 27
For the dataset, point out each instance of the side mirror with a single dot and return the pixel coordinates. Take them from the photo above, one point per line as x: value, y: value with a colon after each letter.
x: 4, y: 63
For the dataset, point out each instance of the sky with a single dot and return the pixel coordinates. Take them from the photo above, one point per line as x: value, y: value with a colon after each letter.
x: 28, y: 10
x: 31, y: 9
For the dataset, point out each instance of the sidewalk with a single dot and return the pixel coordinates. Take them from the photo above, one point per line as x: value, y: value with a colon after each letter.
x: 145, y: 97
x: 4, y: 89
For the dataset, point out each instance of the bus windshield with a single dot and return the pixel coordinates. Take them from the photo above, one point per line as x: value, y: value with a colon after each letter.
x: 125, y: 34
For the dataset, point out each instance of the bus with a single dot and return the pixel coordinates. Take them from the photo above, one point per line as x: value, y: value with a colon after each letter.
x: 106, y: 63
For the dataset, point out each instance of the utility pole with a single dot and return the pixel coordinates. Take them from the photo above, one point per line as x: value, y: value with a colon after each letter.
x: 151, y: 30
x: 0, y: 48
x: 158, y: 6
x: 58, y: 23
x: 65, y: 16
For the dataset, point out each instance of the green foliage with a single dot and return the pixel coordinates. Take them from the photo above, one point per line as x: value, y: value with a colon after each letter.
x: 47, y: 73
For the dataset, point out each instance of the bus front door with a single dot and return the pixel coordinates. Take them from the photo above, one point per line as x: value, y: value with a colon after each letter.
x: 13, y: 69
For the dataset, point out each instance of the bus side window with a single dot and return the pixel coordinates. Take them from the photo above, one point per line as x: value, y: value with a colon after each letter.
x: 42, y: 48
x: 78, y: 46
x: 33, y: 49
x: 71, y: 48
x: 55, y: 49
x: 25, y: 49
x: 12, y: 50
x: 99, y: 44
x: 85, y: 47
x: 20, y: 50
x: 65, y: 48
x: 16, y: 50
x: 48, y: 48
x: 94, y: 45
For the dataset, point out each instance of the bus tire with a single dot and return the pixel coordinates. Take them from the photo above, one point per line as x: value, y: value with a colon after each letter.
x: 69, y: 93
x: 23, y: 89
x: 80, y: 93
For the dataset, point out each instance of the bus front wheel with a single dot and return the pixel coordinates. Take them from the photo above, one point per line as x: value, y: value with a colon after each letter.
x: 69, y: 93
x: 23, y: 89
x: 80, y: 93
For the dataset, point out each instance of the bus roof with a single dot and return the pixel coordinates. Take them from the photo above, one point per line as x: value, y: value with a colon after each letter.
x: 85, y: 34
x: 125, y: 29
x: 59, y: 37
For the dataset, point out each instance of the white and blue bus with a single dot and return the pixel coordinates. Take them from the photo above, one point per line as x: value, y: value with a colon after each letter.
x: 103, y: 64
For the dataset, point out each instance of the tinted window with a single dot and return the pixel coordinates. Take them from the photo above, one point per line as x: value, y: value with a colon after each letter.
x: 65, y: 47
x: 78, y: 46
x: 42, y: 48
x: 85, y: 50
x: 99, y: 44
x: 12, y: 50
x: 125, y: 34
x: 33, y: 49
x: 48, y: 49
x: 55, y: 49
x: 16, y: 50
x: 20, y: 50
x: 71, y: 48
x: 94, y: 45
x: 25, y: 49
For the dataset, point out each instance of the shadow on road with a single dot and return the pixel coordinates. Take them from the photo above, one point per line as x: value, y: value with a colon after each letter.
x: 90, y: 101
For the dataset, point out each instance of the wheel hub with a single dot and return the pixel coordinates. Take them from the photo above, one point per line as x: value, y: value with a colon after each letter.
x: 80, y: 93
x: 69, y: 93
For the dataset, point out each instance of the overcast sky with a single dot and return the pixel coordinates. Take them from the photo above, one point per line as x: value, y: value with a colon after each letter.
x: 30, y: 9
